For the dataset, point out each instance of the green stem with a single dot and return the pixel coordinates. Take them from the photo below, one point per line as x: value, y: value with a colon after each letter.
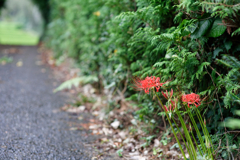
x: 197, y: 130
x: 200, y: 151
x: 188, y: 137
x: 181, y: 136
x: 175, y: 135
x: 206, y: 130
x: 206, y: 134
x: 206, y: 150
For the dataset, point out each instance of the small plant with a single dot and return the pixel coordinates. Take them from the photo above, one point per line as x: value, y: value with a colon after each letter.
x: 185, y: 129
x: 5, y: 60
x: 75, y: 82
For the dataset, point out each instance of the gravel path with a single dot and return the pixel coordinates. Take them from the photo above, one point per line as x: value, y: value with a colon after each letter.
x: 31, y: 125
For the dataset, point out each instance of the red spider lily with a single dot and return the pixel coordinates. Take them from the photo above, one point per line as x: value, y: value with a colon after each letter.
x: 166, y: 94
x: 172, y: 106
x: 169, y: 109
x: 147, y: 83
x: 192, y: 99
x: 166, y: 108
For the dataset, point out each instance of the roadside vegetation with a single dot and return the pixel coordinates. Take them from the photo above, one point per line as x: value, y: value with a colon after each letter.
x: 192, y: 46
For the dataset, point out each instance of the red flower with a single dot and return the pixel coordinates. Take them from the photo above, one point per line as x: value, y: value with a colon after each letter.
x: 166, y: 108
x: 166, y: 94
x: 172, y: 106
x: 147, y: 83
x: 192, y: 99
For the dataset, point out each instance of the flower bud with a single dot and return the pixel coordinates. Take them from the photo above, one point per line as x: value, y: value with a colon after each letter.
x: 190, y: 128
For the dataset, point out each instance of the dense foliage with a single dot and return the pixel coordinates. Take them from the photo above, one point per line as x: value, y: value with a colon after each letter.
x: 44, y: 8
x: 192, y: 44
x: 2, y: 3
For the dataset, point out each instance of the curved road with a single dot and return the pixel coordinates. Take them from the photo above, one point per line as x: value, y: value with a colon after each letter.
x: 31, y: 125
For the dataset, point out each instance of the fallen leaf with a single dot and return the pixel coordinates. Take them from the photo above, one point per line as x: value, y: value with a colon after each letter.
x: 93, y: 120
x: 95, y: 132
x: 117, y: 144
x: 76, y: 109
x: 19, y: 64
x: 134, y: 122
x: 136, y: 156
x: 103, y: 140
x: 145, y: 152
x: 156, y: 142
x: 122, y: 134
x: 172, y: 153
x: 115, y: 124
x: 75, y: 128
x: 100, y: 132
x: 85, y: 125
x: 126, y: 141
x: 93, y: 127
x: 95, y: 113
x: 107, y: 131
x: 80, y: 118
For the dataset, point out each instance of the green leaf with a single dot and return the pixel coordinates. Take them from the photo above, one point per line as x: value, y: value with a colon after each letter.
x: 236, y: 32
x: 234, y: 146
x: 224, y: 154
x: 149, y: 138
x: 193, y: 27
x: 238, y: 101
x: 75, y: 82
x: 168, y: 55
x: 174, y: 146
x: 228, y: 45
x: 232, y: 123
x: 236, y: 49
x: 144, y: 144
x: 217, y: 29
x: 237, y: 112
x: 119, y: 152
x: 164, y: 142
x: 216, y: 52
x: 154, y: 151
x: 110, y: 85
x: 204, y: 26
x: 6, y: 59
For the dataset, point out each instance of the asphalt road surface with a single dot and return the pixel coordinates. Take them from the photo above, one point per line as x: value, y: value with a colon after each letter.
x: 31, y: 125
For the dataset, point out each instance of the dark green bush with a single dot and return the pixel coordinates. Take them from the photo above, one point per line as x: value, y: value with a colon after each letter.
x: 2, y: 3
